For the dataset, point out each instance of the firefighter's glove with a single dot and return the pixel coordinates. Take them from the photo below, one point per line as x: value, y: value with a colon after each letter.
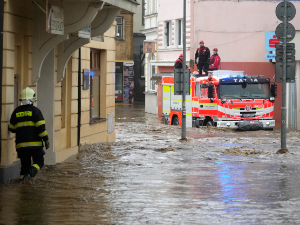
x: 47, y: 144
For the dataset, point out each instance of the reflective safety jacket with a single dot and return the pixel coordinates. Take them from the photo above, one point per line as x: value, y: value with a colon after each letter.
x: 178, y: 63
x: 203, y: 54
x: 212, y: 81
x: 28, y: 123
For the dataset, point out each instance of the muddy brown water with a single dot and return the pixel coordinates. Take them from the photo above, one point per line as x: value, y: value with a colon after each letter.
x: 148, y: 176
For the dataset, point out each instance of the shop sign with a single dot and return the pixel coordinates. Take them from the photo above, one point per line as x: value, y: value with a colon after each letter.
x: 149, y: 47
x: 54, y: 20
x: 99, y: 38
x: 85, y: 32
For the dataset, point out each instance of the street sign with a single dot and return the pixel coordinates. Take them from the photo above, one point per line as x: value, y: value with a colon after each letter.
x: 290, y: 12
x: 290, y: 72
x: 290, y: 32
x: 270, y: 56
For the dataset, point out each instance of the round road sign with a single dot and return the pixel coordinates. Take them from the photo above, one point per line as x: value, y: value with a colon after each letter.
x: 290, y: 11
x: 290, y: 32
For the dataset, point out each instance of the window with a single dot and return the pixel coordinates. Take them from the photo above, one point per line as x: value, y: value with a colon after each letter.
x: 153, y: 71
x: 119, y: 27
x: 95, y: 86
x: 179, y: 32
x: 167, y: 33
x: 197, y: 87
x: 143, y: 12
x: 153, y: 81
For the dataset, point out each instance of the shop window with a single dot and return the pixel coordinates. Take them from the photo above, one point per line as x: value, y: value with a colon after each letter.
x: 119, y: 27
x: 95, y: 86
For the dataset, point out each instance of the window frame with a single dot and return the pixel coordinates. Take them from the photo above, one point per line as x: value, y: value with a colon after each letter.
x: 168, y: 34
x: 95, y: 69
x: 121, y: 37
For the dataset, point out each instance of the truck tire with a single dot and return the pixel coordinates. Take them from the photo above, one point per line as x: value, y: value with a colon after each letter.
x: 175, y: 121
x: 209, y: 124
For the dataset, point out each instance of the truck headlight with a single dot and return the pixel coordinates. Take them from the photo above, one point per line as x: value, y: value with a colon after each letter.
x: 272, y: 98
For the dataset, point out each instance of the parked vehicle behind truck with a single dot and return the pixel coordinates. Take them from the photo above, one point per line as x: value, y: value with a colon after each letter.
x: 239, y: 102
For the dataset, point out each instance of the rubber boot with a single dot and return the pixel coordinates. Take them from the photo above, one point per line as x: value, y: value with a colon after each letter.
x: 34, y: 169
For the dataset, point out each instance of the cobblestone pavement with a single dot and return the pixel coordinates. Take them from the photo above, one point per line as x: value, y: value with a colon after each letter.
x: 149, y: 176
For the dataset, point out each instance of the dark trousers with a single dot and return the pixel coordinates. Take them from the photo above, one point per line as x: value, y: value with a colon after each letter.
x: 204, y: 66
x: 25, y: 156
x: 213, y: 69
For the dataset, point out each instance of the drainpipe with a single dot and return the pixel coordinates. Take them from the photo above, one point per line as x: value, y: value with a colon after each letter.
x: 1, y: 63
x: 79, y: 97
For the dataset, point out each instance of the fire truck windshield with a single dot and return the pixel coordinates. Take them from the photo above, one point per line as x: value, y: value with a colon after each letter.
x: 244, y: 91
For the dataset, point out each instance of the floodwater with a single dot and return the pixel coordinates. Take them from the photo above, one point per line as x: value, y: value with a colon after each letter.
x: 148, y: 176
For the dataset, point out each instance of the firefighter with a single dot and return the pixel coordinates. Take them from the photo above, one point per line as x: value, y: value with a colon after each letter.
x: 202, y: 56
x: 178, y: 63
x: 214, y: 60
x: 28, y: 123
x: 210, y: 80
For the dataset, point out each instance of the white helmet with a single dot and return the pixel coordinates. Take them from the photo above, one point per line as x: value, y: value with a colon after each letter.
x: 27, y: 96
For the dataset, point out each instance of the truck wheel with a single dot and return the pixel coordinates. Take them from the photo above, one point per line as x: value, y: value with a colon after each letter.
x: 209, y: 124
x: 175, y: 121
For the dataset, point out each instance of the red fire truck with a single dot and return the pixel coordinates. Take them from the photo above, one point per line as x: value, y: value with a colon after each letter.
x: 239, y: 101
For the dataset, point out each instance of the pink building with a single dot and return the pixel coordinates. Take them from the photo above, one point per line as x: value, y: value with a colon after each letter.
x: 238, y: 29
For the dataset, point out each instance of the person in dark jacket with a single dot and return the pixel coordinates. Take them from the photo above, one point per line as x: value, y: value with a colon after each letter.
x: 202, y: 56
x: 214, y: 60
x: 178, y: 62
x: 28, y: 123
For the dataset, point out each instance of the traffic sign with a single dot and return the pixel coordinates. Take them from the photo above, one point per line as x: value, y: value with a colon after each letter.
x: 290, y: 12
x: 290, y: 32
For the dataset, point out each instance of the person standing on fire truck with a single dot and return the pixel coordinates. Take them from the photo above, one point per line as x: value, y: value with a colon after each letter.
x: 214, y: 60
x: 210, y: 80
x: 202, y: 56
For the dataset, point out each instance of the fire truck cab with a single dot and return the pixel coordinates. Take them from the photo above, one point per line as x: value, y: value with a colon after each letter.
x: 238, y: 101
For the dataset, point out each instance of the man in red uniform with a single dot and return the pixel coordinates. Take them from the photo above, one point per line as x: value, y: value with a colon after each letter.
x: 202, y: 56
x: 210, y: 80
x: 178, y: 62
x: 214, y: 60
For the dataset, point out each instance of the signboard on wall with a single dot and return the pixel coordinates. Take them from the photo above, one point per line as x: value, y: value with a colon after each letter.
x: 149, y: 47
x: 128, y: 82
x: 270, y: 41
x: 85, y: 32
x: 54, y: 19
x: 86, y: 78
x: 99, y: 38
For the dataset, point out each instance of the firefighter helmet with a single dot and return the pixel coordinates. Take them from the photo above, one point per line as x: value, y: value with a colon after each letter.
x: 201, y: 42
x: 181, y: 55
x: 215, y: 49
x: 28, y: 94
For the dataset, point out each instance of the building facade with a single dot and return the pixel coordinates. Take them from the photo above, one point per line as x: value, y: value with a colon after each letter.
x: 150, y: 54
x: 70, y: 66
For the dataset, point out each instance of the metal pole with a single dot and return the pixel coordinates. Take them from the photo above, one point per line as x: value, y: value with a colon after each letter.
x: 283, y: 108
x: 183, y: 113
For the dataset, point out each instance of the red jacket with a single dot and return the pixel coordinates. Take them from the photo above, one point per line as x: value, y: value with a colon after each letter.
x: 214, y: 61
x: 178, y: 63
x: 213, y: 81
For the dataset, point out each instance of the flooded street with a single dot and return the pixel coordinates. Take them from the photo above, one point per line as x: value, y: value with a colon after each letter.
x: 148, y: 176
